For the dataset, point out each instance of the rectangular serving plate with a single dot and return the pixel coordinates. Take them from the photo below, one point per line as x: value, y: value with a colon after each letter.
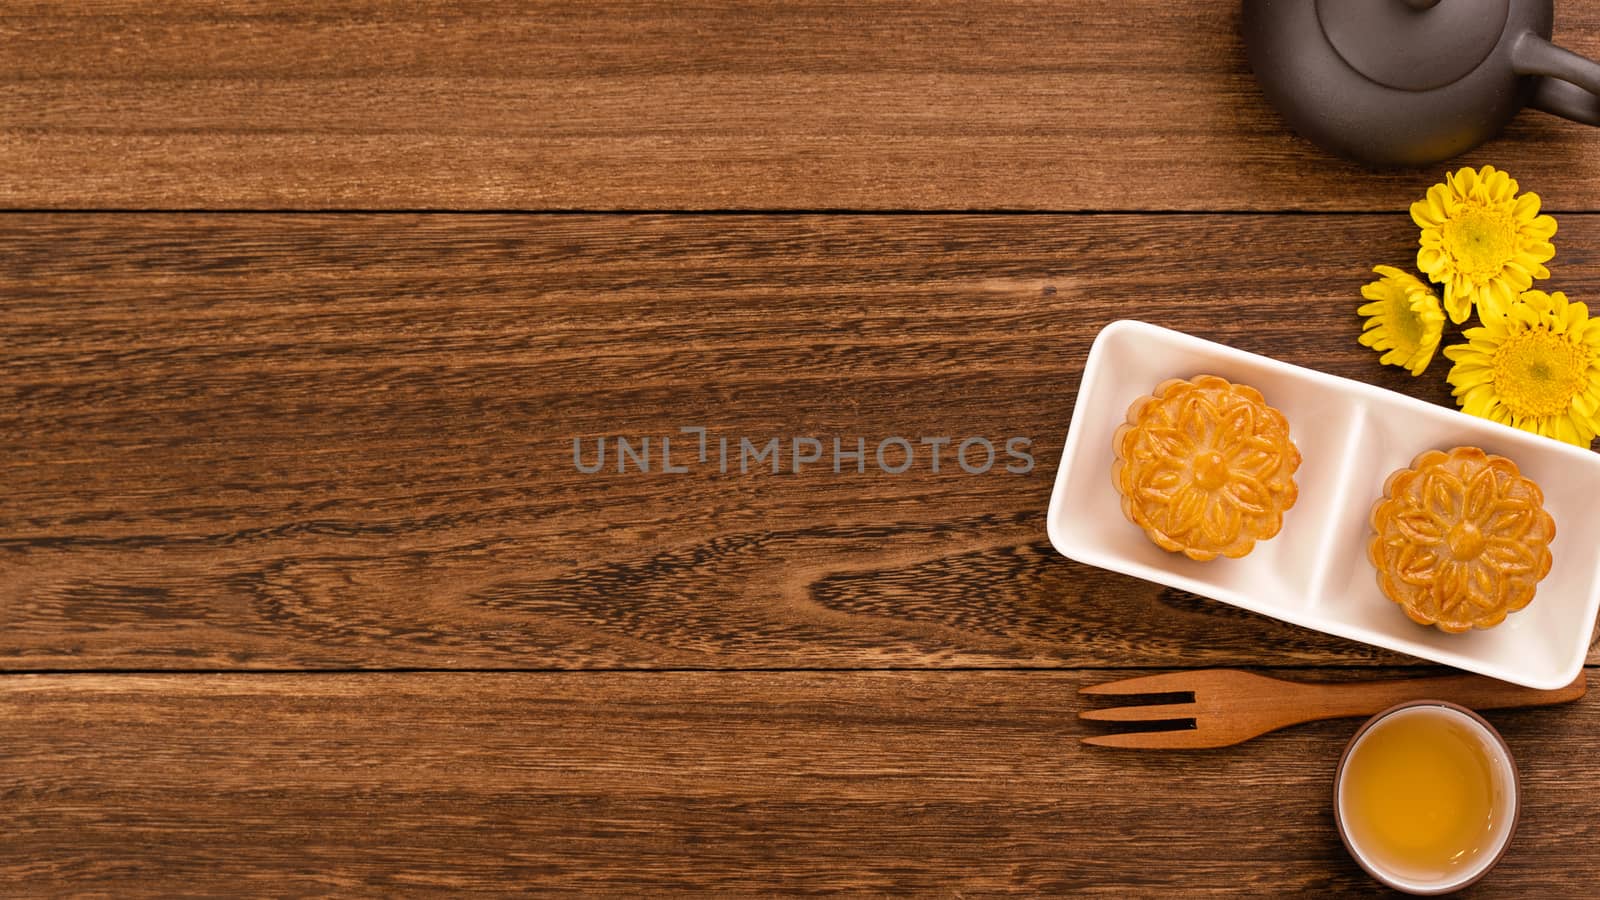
x: 1315, y: 572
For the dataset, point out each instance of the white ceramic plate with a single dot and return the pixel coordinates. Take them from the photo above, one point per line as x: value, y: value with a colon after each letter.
x: 1315, y: 572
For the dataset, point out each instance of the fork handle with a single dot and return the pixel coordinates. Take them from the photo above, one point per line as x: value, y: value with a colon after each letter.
x: 1337, y: 701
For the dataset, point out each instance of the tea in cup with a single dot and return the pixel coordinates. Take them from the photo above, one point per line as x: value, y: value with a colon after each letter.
x: 1426, y: 797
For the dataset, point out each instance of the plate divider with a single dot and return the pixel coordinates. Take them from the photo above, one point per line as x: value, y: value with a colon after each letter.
x: 1350, y: 460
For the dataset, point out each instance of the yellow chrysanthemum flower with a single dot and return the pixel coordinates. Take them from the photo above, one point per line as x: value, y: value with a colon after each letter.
x: 1481, y: 240
x: 1404, y: 320
x: 1536, y: 366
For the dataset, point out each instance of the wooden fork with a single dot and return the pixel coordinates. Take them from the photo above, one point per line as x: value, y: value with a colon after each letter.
x: 1231, y: 706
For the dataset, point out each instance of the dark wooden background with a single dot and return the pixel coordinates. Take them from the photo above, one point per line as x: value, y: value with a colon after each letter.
x: 302, y: 304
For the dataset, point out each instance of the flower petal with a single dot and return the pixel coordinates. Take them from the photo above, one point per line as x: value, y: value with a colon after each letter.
x: 1416, y: 565
x: 1249, y: 493
x: 1510, y: 557
x: 1509, y: 520
x: 1420, y: 528
x: 1222, y: 518
x: 1442, y: 494
x: 1480, y: 587
x: 1480, y: 495
x: 1185, y: 513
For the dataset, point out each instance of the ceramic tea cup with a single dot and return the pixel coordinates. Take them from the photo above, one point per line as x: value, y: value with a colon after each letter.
x: 1426, y: 797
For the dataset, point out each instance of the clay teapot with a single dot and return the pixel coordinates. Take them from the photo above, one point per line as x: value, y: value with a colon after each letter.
x: 1413, y: 82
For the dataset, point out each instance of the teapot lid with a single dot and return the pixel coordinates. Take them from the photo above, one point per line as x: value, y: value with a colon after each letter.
x: 1413, y: 45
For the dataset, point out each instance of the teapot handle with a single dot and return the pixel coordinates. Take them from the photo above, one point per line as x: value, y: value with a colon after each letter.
x: 1567, y: 101
x: 1570, y: 87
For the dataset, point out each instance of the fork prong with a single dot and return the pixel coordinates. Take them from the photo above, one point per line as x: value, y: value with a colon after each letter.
x: 1182, y: 739
x: 1152, y: 713
x: 1166, y: 683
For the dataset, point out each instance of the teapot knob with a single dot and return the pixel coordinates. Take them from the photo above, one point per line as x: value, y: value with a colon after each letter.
x: 1411, y: 45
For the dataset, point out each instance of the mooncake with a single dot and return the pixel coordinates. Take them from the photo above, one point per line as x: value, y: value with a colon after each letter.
x: 1460, y: 539
x: 1205, y: 467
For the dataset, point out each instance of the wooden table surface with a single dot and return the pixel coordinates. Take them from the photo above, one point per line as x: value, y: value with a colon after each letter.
x: 303, y: 306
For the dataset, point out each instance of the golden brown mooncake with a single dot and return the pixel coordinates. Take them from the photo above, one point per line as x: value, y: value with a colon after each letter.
x: 1205, y: 467
x: 1461, y: 539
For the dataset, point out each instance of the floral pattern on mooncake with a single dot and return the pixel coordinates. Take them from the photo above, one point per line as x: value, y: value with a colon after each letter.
x: 1461, y: 539
x: 1205, y: 467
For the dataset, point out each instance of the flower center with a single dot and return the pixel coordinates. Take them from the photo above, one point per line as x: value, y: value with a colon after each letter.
x: 1537, y: 373
x: 1482, y: 241
x: 1210, y: 471
x: 1404, y: 325
x: 1465, y: 541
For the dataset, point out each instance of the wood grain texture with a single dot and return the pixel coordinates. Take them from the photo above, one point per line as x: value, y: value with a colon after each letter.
x: 633, y: 104
x: 948, y: 784
x: 346, y: 441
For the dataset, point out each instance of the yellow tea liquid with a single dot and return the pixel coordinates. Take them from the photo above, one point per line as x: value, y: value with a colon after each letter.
x: 1420, y: 796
